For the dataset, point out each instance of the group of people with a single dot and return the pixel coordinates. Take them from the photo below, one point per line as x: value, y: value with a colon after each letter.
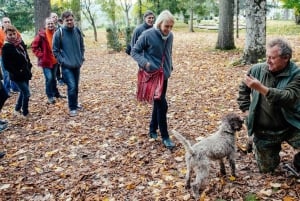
x: 60, y: 48
x: 269, y: 95
x: 56, y: 48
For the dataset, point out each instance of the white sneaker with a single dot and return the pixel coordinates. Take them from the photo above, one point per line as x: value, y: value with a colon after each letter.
x: 17, y: 113
x: 73, y: 113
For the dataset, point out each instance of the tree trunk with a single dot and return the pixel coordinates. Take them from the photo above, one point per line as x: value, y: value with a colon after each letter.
x: 191, y: 25
x: 226, y: 28
x: 41, y: 12
x: 255, y: 31
x: 297, y: 19
x: 140, y: 17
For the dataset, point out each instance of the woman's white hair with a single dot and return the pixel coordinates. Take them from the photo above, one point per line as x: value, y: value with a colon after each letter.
x: 163, y: 16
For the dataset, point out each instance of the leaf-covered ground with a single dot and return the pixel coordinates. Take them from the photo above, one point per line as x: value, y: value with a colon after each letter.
x: 105, y: 152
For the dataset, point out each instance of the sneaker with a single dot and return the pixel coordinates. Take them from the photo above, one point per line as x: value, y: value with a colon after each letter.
x: 153, y: 135
x: 3, y: 127
x: 79, y: 107
x: 73, y: 113
x: 60, y: 96
x: 168, y: 143
x: 51, y: 100
x: 17, y: 113
x: 2, y: 154
x: 3, y: 122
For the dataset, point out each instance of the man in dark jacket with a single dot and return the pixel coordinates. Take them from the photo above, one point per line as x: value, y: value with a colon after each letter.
x: 270, y: 94
x: 68, y: 49
x: 148, y: 23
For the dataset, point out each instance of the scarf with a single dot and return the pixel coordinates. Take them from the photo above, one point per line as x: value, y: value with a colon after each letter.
x: 16, y: 41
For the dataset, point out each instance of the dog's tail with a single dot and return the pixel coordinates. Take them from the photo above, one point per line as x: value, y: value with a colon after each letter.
x: 184, y: 141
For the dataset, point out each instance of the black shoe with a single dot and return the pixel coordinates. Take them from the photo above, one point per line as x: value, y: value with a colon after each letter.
x: 60, y: 96
x: 2, y: 154
x: 3, y: 127
x: 168, y: 143
x: 296, y: 162
x: 3, y: 122
x: 153, y: 135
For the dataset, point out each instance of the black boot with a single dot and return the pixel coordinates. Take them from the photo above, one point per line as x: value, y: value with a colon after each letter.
x: 297, y: 161
x: 2, y: 154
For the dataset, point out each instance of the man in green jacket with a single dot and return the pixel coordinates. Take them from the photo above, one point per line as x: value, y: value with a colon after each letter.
x: 270, y: 97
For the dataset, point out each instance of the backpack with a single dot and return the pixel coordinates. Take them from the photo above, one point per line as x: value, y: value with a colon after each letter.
x: 61, y: 34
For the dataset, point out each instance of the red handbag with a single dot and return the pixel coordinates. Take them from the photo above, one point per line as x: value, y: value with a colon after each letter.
x: 150, y: 85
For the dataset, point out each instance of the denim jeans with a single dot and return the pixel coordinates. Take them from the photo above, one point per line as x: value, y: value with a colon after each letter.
x: 50, y: 81
x: 7, y: 83
x: 23, y: 99
x: 71, y: 78
x: 159, y: 114
x: 3, y: 95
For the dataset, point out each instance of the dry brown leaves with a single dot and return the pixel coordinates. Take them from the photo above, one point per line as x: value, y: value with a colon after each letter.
x: 105, y: 153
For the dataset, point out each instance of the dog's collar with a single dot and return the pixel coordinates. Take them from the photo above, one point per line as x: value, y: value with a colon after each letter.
x: 232, y: 132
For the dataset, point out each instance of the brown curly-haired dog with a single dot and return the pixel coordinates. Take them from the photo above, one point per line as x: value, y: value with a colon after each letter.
x: 215, y: 147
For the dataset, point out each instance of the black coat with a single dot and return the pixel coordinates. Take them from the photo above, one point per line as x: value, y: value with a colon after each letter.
x: 17, y: 62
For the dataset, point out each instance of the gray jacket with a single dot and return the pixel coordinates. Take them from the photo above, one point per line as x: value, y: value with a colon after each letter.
x: 150, y: 47
x: 68, y: 47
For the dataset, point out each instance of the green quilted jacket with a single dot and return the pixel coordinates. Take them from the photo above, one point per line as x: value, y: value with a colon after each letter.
x: 286, y: 94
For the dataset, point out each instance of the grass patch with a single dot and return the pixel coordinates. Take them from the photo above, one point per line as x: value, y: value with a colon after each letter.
x: 279, y: 27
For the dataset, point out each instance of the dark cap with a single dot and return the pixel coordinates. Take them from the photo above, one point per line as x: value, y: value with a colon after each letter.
x: 147, y: 13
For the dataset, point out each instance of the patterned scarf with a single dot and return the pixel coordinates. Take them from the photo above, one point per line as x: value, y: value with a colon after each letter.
x: 16, y: 41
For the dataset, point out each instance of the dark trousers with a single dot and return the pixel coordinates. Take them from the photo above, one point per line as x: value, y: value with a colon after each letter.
x: 3, y: 95
x: 159, y: 114
x: 23, y: 99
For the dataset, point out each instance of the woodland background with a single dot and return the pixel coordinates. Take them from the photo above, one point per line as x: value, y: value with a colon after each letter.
x: 105, y: 153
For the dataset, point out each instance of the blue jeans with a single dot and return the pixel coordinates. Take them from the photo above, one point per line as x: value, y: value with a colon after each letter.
x: 3, y: 95
x: 71, y: 78
x: 159, y: 114
x: 7, y: 83
x: 50, y: 81
x: 23, y: 99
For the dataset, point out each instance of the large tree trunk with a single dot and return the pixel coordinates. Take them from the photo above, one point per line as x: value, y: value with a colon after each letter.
x: 255, y: 31
x: 41, y: 12
x: 226, y: 28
